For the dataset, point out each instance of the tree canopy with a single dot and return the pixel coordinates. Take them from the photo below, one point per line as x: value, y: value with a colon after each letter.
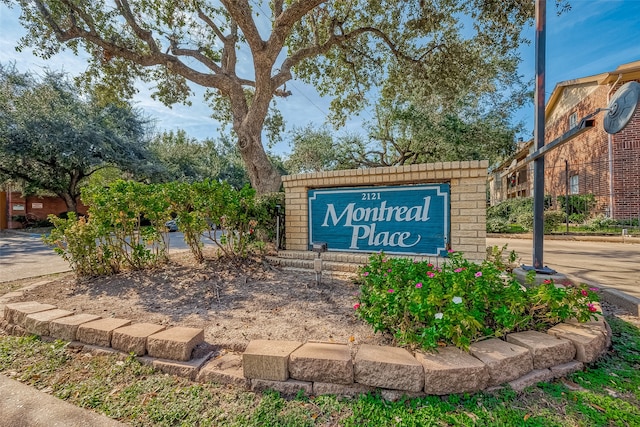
x: 52, y: 137
x: 245, y: 51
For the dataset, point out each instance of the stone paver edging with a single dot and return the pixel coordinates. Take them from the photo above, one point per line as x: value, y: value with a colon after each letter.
x: 522, y: 360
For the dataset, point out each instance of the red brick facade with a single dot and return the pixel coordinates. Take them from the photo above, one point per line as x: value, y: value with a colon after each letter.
x: 37, y: 206
x: 594, y: 162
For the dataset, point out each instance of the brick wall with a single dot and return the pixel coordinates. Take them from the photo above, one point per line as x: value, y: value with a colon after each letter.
x: 39, y: 206
x: 626, y: 172
x: 468, y: 198
x: 588, y: 156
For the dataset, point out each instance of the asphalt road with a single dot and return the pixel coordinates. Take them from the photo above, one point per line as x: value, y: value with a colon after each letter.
x: 24, y: 256
x: 615, y: 265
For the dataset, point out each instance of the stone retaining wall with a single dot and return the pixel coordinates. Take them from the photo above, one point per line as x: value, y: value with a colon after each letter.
x: 522, y: 360
x: 468, y: 198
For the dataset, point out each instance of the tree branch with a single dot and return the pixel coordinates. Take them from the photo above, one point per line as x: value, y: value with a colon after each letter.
x: 217, y: 80
x: 240, y: 12
x: 144, y: 35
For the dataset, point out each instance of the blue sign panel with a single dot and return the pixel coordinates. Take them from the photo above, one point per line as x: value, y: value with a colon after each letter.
x: 404, y: 219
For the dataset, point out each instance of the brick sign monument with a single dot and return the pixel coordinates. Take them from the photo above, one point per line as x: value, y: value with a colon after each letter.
x: 421, y: 210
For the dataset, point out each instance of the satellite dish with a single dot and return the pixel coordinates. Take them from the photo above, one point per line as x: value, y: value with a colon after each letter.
x: 622, y: 107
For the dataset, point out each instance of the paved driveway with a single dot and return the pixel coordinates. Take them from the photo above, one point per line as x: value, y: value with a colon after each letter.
x: 24, y: 255
x: 615, y: 265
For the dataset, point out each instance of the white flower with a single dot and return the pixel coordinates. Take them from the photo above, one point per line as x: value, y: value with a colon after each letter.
x: 457, y: 300
x: 438, y: 316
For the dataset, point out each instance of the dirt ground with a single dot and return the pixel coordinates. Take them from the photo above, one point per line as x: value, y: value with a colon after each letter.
x: 232, y: 303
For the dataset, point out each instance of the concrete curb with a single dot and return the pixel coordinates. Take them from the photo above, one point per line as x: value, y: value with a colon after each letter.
x: 568, y: 237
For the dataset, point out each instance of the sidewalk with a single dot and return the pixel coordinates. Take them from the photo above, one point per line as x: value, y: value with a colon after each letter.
x: 24, y: 406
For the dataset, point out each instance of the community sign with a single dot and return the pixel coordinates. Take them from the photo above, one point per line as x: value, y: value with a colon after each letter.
x: 412, y: 219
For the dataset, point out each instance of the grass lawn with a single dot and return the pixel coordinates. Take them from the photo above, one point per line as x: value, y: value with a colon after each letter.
x: 607, y: 393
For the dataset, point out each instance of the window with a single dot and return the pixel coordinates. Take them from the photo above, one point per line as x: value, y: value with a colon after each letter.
x: 573, y: 120
x: 574, y: 184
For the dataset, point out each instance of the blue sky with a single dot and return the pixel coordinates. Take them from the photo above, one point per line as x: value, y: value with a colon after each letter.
x: 595, y: 36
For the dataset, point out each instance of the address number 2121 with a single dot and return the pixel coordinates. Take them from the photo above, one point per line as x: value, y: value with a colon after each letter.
x: 371, y: 196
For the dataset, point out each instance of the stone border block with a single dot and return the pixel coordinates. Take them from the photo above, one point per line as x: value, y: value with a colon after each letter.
x: 268, y: 360
x: 287, y: 388
x: 452, y: 370
x: 322, y: 362
x: 66, y: 328
x: 99, y: 332
x: 530, y: 379
x: 185, y: 369
x: 226, y: 369
x: 396, y: 395
x: 15, y: 313
x: 174, y: 343
x: 348, y: 390
x: 546, y: 350
x: 566, y: 369
x: 38, y: 323
x: 133, y: 338
x: 589, y: 344
x: 505, y: 361
x: 388, y: 367
x: 598, y: 325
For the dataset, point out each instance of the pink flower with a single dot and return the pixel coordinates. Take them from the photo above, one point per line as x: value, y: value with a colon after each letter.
x: 592, y: 308
x: 419, y: 285
x: 450, y: 251
x: 594, y: 289
x: 356, y: 306
x: 366, y: 273
x: 391, y: 291
x: 478, y: 274
x: 584, y: 293
x: 457, y: 270
x: 546, y: 281
x: 389, y: 270
x: 429, y: 265
x: 430, y: 274
x: 384, y: 260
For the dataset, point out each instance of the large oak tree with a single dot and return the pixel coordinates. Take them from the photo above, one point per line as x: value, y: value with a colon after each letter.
x: 350, y: 49
x: 52, y: 138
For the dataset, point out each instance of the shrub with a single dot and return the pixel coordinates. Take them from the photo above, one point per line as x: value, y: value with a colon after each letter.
x: 578, y: 204
x: 497, y: 225
x: 125, y: 225
x: 553, y: 218
x: 459, y: 302
x: 599, y: 222
x: 525, y: 220
x: 77, y: 241
x: 577, y: 218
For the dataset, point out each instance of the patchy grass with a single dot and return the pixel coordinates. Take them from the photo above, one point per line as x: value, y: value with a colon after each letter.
x: 607, y: 393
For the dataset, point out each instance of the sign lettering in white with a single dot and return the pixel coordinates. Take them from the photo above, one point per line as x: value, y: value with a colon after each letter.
x: 407, y: 219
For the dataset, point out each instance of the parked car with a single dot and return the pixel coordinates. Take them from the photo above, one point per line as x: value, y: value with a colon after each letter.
x: 171, y: 225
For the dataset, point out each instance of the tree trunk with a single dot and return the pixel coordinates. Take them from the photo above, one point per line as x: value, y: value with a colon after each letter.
x: 263, y: 175
x: 70, y: 201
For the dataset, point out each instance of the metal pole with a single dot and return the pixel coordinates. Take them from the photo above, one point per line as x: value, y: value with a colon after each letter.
x: 538, y: 134
x: 566, y: 192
